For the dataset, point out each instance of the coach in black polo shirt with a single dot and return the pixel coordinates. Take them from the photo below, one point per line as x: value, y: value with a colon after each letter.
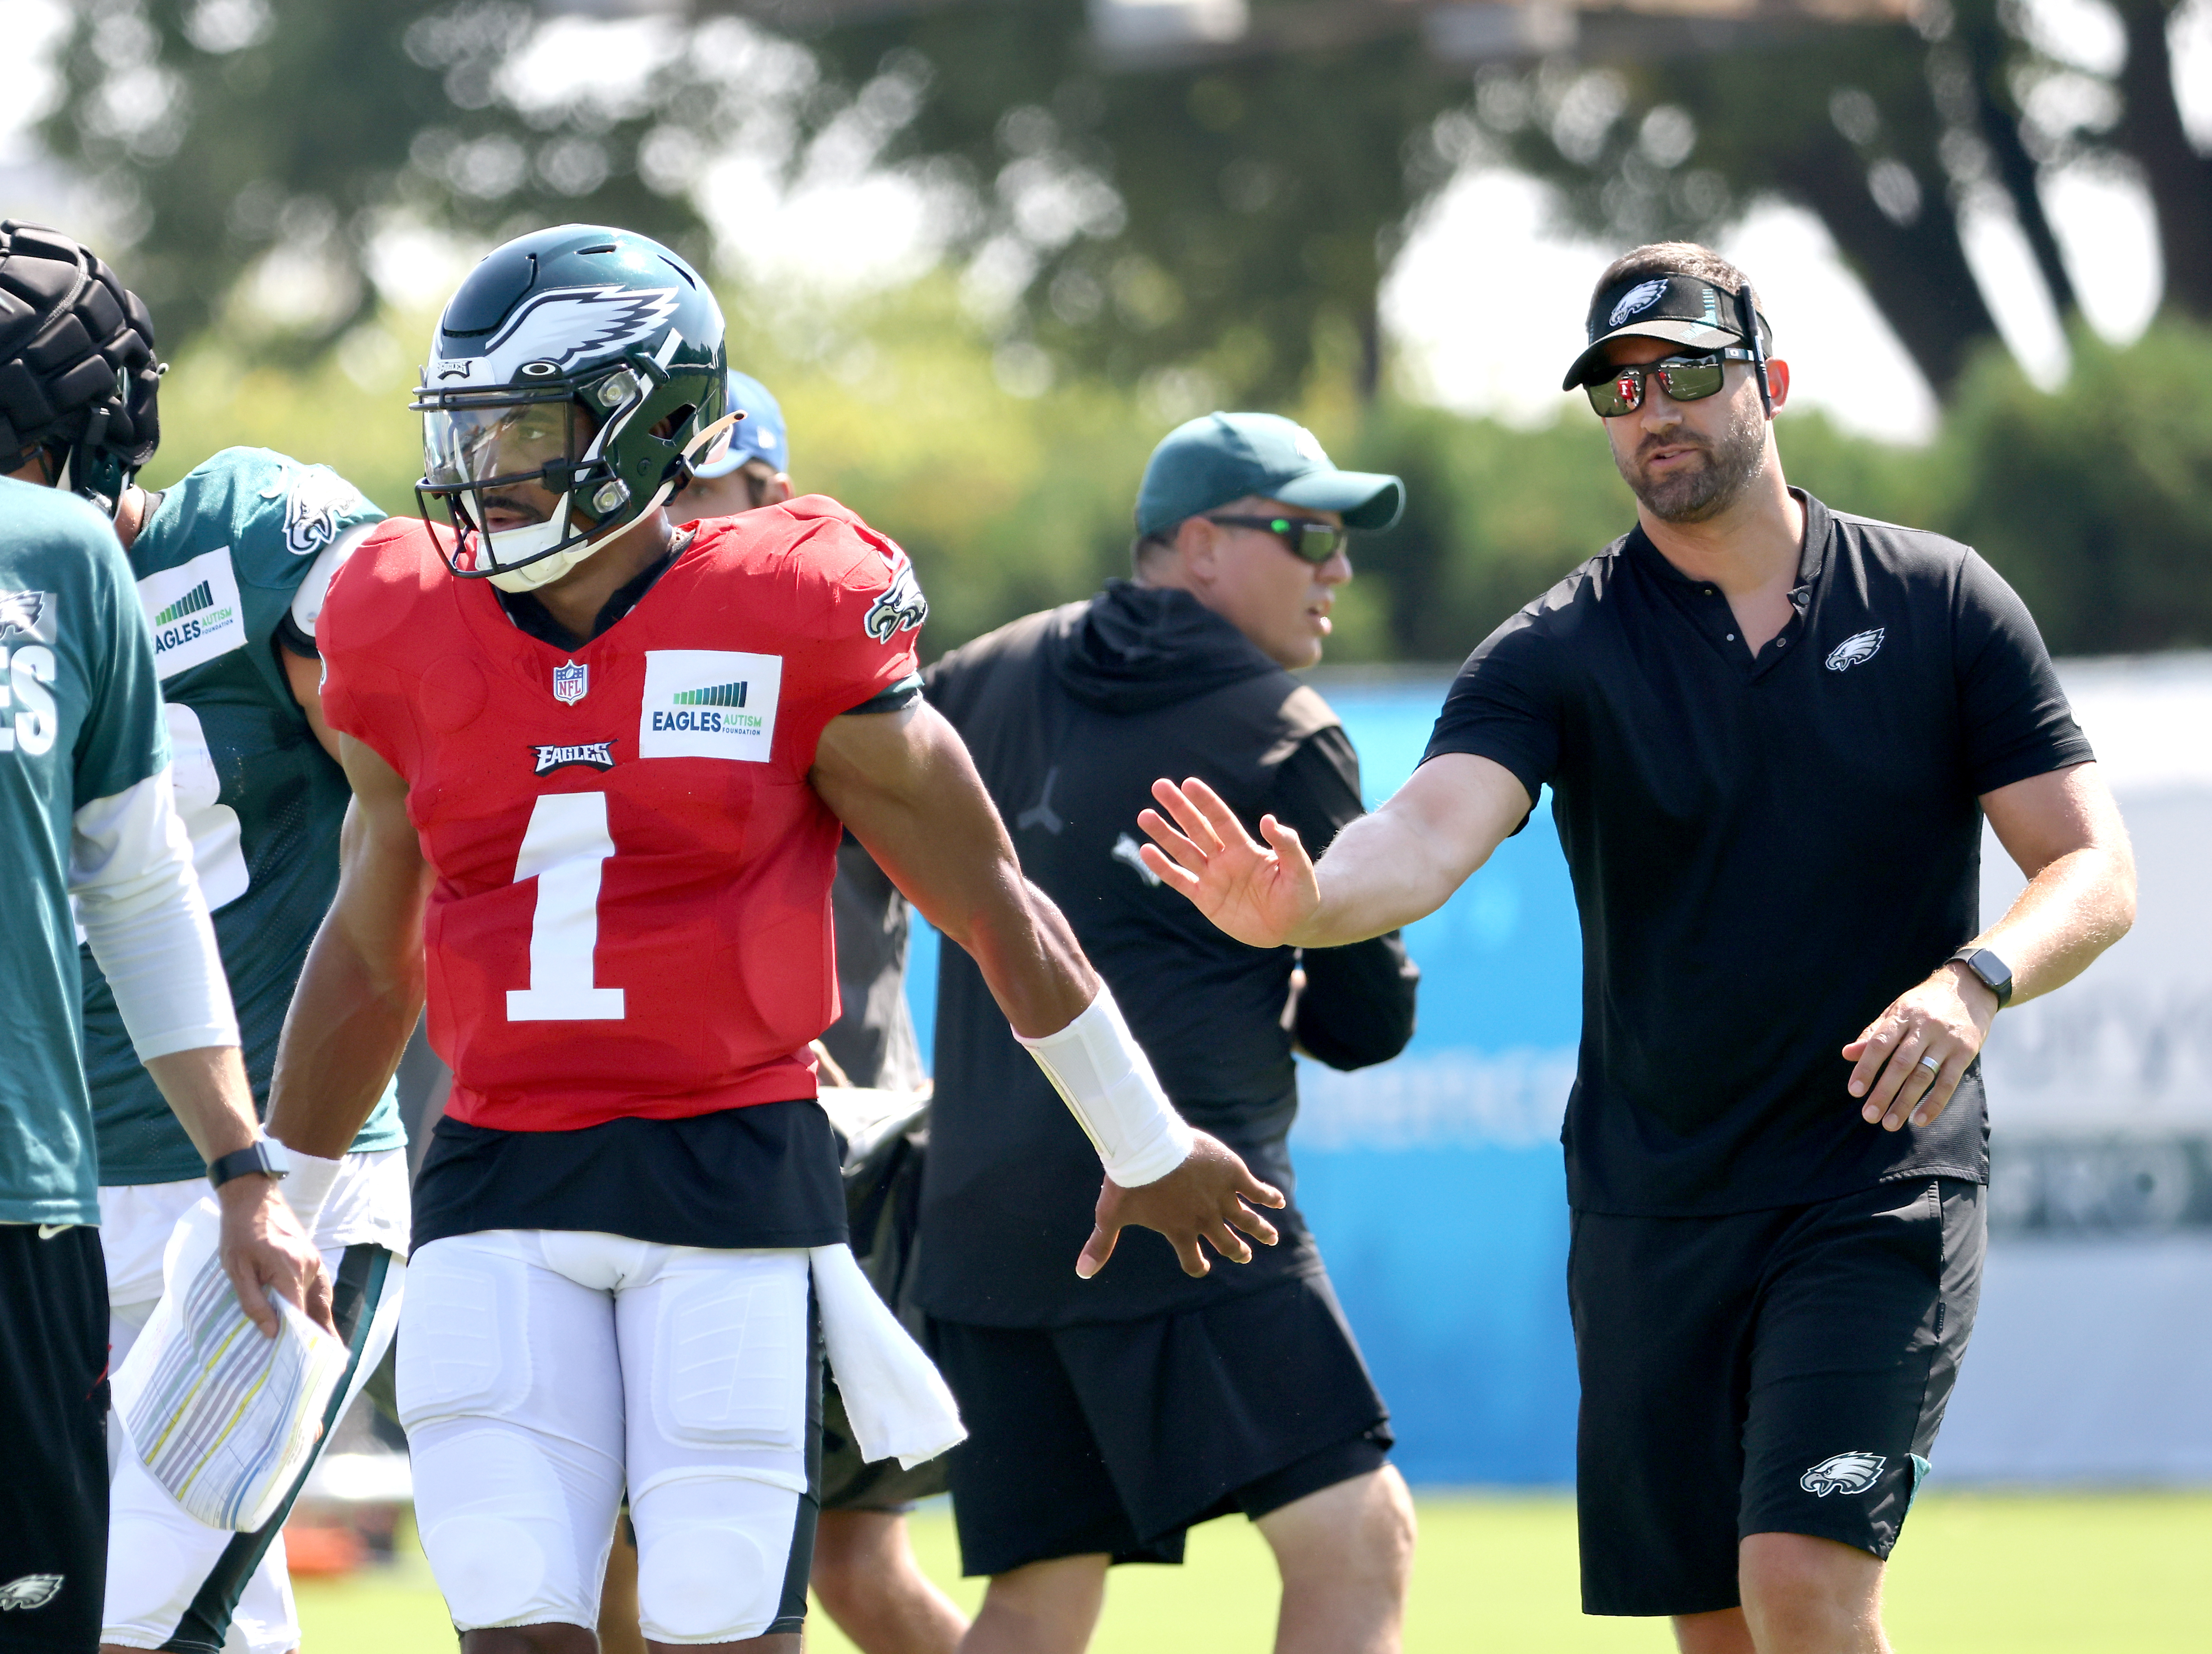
x: 1772, y: 731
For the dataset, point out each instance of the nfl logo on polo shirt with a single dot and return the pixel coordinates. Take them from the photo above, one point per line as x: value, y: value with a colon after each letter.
x: 570, y: 683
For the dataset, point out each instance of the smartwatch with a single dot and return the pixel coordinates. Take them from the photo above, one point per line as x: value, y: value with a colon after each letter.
x: 264, y: 1155
x: 1993, y: 972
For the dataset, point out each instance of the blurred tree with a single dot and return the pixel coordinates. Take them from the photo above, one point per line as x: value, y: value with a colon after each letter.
x: 2151, y: 131
x: 1887, y: 131
x: 1219, y: 215
x: 1213, y: 212
x: 2096, y: 502
x: 276, y: 138
x: 1839, y: 119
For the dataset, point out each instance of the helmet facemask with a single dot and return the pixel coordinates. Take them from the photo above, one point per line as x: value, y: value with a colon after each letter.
x: 548, y: 461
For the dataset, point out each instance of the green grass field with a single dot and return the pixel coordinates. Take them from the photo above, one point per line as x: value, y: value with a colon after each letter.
x: 1976, y: 1574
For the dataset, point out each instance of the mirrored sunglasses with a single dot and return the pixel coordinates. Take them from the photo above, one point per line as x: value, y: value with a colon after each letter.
x: 1684, y: 379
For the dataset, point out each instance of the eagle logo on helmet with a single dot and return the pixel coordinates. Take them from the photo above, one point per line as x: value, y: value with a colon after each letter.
x: 32, y: 1590
x: 1859, y: 645
x: 554, y: 330
x: 1638, y: 299
x: 1846, y: 1473
x: 19, y: 611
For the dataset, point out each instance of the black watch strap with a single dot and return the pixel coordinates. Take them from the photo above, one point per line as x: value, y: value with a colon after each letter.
x: 263, y: 1156
x: 1993, y: 972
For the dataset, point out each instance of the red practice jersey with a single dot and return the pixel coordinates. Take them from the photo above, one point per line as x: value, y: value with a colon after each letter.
x: 632, y: 908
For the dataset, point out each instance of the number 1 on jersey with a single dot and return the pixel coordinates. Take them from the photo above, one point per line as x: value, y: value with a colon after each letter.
x: 564, y: 847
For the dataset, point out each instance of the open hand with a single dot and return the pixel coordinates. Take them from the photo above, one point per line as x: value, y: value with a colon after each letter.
x: 1911, y: 1058
x: 263, y: 1247
x: 1259, y: 893
x: 1211, y: 1194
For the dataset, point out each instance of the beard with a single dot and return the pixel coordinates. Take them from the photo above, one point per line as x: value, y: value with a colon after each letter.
x: 1695, y: 493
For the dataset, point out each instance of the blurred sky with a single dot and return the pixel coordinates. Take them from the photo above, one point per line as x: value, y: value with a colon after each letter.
x: 1485, y: 300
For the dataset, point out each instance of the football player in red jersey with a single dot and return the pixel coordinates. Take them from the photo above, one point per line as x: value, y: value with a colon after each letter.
x: 601, y: 768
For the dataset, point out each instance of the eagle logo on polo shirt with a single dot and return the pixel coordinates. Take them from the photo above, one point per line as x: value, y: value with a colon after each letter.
x: 1846, y: 1473
x: 1859, y: 645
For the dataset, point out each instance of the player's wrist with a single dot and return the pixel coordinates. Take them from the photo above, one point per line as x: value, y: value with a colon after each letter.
x: 308, y: 1188
x: 1107, y: 1082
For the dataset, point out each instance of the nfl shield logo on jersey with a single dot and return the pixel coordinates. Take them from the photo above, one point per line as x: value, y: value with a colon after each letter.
x: 570, y: 682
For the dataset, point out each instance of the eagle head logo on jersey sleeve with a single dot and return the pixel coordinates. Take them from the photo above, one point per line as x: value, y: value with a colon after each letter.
x: 901, y: 608
x: 1846, y: 1473
x: 316, y: 498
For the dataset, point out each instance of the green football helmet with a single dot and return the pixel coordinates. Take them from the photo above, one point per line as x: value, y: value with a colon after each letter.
x: 573, y: 380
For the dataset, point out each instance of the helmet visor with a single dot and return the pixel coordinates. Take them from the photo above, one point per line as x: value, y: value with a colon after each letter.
x: 503, y: 442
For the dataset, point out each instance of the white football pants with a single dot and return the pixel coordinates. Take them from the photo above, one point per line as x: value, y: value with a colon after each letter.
x: 541, y: 1371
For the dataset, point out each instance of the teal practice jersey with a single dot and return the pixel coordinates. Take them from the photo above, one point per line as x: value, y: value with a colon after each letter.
x: 218, y: 564
x: 80, y: 719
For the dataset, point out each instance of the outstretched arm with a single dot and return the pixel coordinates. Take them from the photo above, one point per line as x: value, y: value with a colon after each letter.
x: 1385, y: 870
x: 904, y: 784
x: 362, y: 987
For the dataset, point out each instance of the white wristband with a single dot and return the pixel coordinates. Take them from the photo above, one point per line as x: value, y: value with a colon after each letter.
x: 1107, y: 1084
x: 307, y: 1186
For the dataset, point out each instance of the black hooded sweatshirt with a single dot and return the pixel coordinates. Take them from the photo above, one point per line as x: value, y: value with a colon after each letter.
x: 1071, y: 715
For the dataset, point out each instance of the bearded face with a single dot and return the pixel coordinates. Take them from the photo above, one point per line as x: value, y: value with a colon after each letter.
x: 1696, y: 467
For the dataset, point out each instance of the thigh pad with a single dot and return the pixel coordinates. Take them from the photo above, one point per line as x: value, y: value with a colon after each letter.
x: 464, y: 1338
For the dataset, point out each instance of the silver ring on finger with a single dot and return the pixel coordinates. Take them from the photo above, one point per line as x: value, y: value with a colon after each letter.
x: 1933, y: 1063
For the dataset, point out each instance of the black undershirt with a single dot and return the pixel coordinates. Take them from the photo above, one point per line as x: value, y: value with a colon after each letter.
x: 762, y: 1176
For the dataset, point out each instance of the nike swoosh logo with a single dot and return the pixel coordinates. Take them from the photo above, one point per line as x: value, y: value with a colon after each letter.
x: 48, y: 1230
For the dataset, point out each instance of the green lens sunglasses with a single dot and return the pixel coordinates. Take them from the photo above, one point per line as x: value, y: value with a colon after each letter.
x: 1307, y: 537
x: 1686, y: 379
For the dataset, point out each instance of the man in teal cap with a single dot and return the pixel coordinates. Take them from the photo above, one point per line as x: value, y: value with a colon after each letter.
x: 1108, y: 1415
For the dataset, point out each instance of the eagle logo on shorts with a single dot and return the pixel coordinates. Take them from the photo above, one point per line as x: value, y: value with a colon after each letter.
x: 33, y: 1590
x: 1859, y: 645
x: 1846, y: 1473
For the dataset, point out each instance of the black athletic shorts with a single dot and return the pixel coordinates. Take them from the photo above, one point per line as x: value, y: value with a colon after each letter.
x: 1118, y: 1436
x: 53, y: 1421
x: 1780, y: 1371
x: 851, y: 1483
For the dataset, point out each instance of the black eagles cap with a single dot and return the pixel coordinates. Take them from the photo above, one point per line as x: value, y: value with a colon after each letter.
x: 1684, y: 309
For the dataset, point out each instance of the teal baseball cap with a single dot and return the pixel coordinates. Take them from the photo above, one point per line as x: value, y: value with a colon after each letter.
x: 1221, y: 457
